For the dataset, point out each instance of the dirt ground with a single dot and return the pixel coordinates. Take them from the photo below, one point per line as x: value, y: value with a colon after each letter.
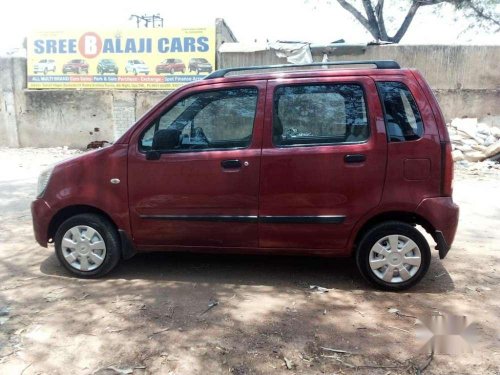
x: 152, y: 316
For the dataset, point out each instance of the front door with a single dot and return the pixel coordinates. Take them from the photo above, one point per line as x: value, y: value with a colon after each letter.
x: 323, y: 161
x: 203, y: 188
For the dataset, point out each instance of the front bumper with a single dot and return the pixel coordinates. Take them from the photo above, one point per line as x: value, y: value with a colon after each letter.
x: 442, y: 213
x: 41, y: 214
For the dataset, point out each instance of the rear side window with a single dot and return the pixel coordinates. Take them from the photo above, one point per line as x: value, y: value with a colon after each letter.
x: 402, y: 118
x: 319, y: 114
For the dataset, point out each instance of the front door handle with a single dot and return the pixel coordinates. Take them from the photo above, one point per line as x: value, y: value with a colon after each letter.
x: 355, y: 158
x: 231, y: 164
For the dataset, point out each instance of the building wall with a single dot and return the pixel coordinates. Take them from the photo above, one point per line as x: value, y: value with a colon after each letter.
x: 465, y: 79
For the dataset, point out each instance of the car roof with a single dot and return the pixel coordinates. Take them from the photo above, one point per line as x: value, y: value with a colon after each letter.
x: 310, y: 73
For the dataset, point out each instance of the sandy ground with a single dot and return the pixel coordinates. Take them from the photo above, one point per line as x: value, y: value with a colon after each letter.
x: 150, y: 315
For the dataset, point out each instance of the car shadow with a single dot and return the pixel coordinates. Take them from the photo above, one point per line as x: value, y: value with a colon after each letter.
x: 297, y: 272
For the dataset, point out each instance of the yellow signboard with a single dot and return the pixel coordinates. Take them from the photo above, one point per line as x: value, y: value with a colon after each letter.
x: 160, y: 58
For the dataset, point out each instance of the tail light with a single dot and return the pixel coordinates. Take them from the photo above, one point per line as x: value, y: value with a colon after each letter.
x: 446, y: 169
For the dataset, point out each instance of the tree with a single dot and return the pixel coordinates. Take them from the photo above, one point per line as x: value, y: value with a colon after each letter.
x: 484, y: 12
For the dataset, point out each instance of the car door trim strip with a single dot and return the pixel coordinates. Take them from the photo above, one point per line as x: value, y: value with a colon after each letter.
x: 319, y: 219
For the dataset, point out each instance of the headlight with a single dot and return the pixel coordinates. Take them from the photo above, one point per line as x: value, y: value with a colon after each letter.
x: 43, y: 181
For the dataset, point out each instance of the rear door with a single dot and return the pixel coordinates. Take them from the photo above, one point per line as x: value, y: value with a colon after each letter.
x: 323, y: 161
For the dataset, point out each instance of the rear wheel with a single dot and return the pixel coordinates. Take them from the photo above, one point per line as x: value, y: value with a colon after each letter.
x: 393, y: 256
x: 87, y: 245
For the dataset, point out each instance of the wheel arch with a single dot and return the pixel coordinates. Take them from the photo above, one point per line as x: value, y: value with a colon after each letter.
x: 402, y: 216
x: 69, y: 211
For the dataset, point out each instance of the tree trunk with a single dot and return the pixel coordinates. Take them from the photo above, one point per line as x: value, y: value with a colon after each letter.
x: 374, y: 20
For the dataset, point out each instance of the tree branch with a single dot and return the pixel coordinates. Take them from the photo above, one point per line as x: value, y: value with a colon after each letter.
x: 481, y: 13
x: 372, y: 20
x: 379, y: 12
x: 351, y: 9
x: 406, y: 22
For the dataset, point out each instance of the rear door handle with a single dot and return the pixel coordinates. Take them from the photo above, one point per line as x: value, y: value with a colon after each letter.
x: 354, y: 158
x: 231, y: 164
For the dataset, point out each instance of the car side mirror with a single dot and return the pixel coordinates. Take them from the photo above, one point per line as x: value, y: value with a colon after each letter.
x: 153, y: 155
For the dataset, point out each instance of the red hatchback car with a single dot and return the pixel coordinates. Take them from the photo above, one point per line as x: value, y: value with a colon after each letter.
x: 78, y: 66
x: 171, y: 66
x: 330, y: 162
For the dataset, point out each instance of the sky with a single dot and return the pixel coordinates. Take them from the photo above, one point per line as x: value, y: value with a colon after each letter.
x: 318, y: 21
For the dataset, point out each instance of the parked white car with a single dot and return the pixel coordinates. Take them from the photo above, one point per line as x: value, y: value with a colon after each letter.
x: 44, y: 66
x: 136, y: 67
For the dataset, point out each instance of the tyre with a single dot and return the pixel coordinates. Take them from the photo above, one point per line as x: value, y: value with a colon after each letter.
x: 45, y: 71
x: 393, y: 256
x: 183, y: 70
x: 197, y: 71
x: 87, y: 245
x: 172, y: 71
x: 135, y: 72
x: 116, y: 71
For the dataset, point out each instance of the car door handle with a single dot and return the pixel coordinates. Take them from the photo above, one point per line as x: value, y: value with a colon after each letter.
x: 231, y: 164
x: 354, y: 158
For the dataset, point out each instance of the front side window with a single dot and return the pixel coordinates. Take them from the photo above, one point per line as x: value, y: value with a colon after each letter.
x: 403, y: 120
x: 212, y: 120
x: 319, y: 114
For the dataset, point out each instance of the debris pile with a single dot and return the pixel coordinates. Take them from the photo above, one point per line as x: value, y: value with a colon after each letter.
x: 474, y: 141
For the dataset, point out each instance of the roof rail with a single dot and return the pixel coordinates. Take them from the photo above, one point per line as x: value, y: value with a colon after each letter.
x: 380, y: 64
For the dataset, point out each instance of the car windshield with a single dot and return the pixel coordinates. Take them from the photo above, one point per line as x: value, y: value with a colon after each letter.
x: 107, y: 61
x: 137, y: 62
x: 201, y: 60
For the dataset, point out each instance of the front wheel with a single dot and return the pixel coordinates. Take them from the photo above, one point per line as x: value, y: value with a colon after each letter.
x: 87, y: 245
x: 393, y: 256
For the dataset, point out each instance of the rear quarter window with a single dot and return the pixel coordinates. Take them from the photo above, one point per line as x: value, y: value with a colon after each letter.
x: 402, y: 117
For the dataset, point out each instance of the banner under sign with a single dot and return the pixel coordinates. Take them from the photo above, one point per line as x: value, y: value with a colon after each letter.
x: 161, y: 59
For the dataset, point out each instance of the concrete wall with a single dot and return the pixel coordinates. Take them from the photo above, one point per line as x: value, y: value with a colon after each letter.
x: 466, y: 81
